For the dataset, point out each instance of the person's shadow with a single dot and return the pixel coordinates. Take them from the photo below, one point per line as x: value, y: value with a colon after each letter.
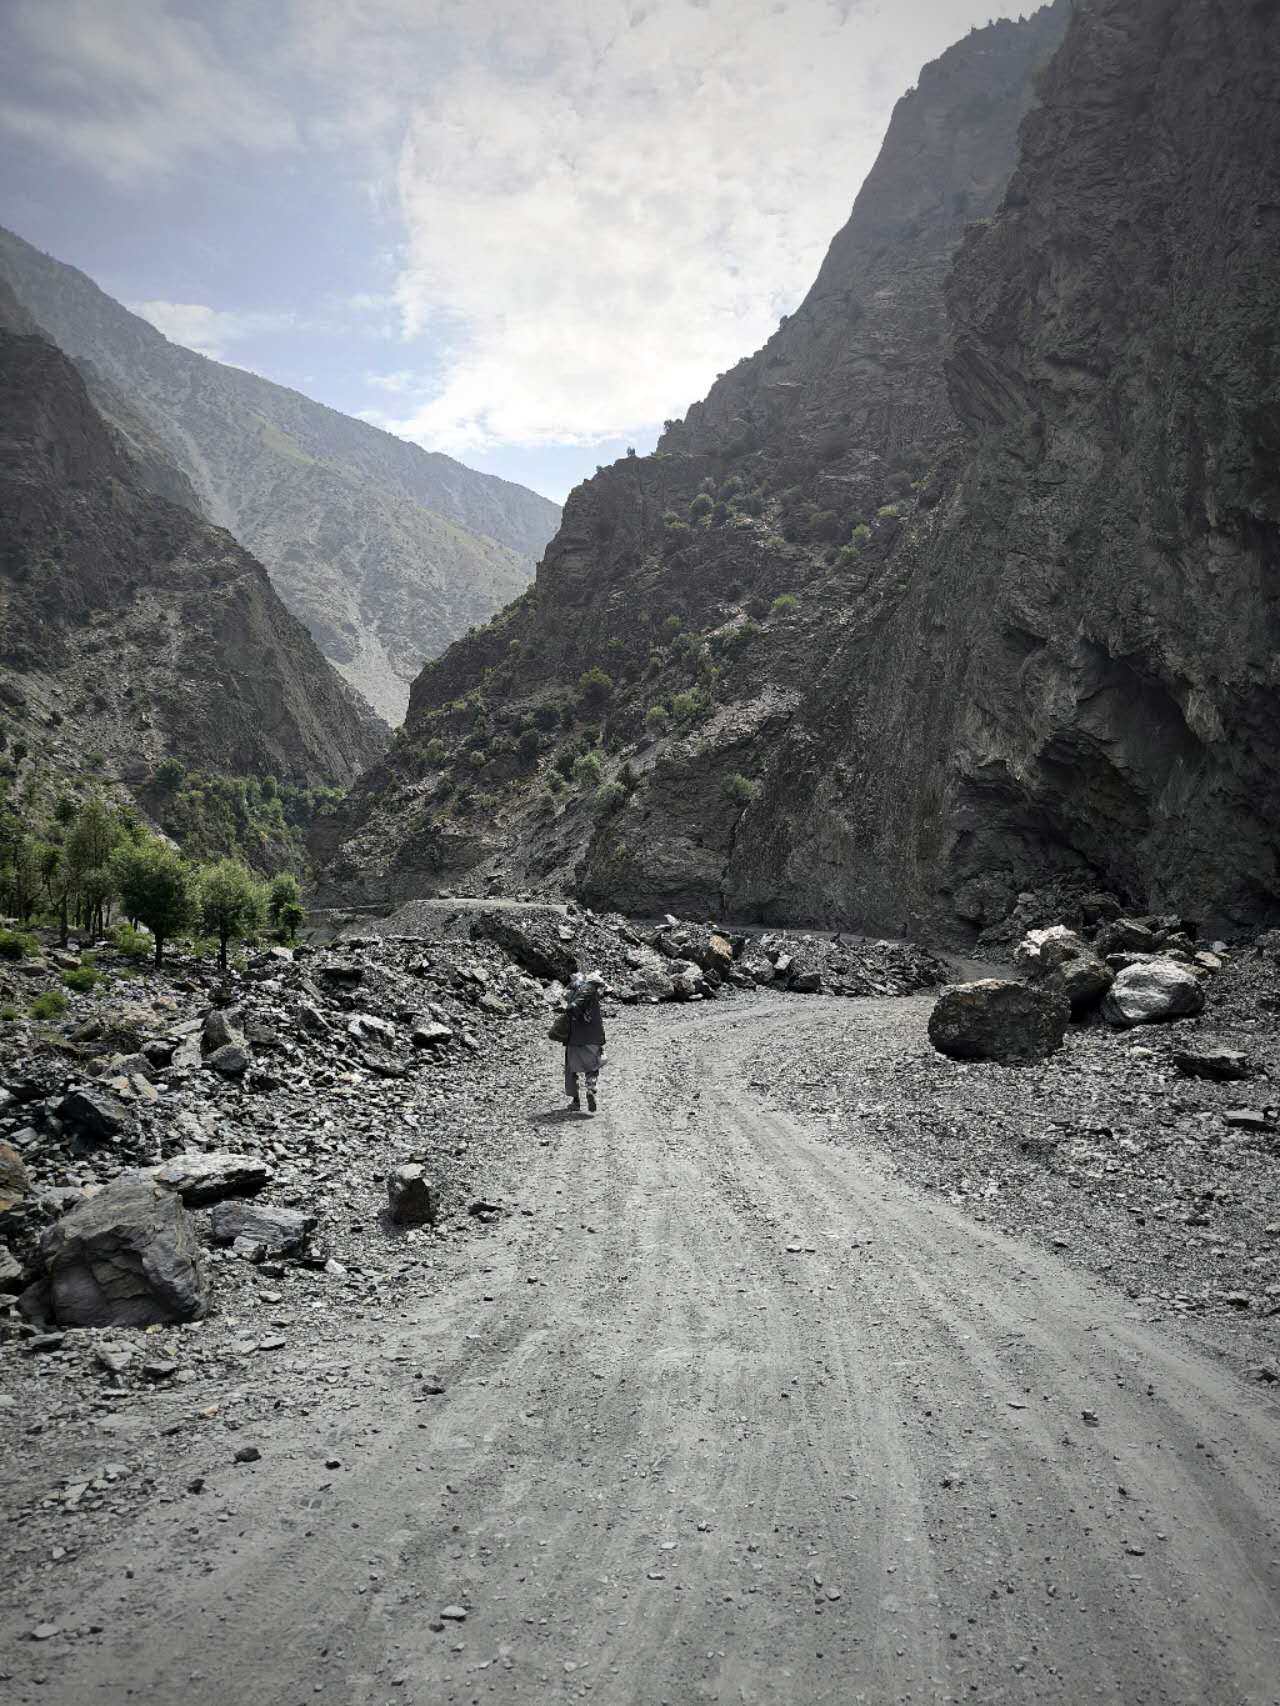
x: 556, y: 1116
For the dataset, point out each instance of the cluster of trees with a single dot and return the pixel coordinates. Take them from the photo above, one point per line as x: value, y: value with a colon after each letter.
x: 257, y: 820
x: 92, y: 860
x: 158, y: 888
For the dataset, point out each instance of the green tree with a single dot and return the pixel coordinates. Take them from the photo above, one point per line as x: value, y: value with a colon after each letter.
x: 91, y: 841
x: 230, y: 904
x: 171, y: 773
x: 156, y: 887
x: 58, y: 879
x: 285, y: 912
x: 21, y: 875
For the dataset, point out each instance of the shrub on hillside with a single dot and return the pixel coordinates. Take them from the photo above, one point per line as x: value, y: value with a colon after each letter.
x: 594, y: 690
x: 587, y: 768
x: 784, y: 604
x: 134, y: 944
x: 686, y: 707
x: 609, y: 799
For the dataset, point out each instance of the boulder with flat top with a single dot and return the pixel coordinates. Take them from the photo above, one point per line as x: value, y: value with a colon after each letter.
x: 997, y: 1020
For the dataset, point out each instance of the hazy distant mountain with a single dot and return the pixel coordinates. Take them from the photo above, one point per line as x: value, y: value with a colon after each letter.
x: 387, y: 552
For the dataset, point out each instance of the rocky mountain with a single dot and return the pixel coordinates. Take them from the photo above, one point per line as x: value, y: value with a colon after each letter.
x: 712, y: 581
x: 131, y: 630
x: 965, y: 585
x: 1075, y: 682
x: 387, y: 552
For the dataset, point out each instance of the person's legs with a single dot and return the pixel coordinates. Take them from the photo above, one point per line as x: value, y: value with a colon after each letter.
x: 571, y: 1084
x: 593, y: 1078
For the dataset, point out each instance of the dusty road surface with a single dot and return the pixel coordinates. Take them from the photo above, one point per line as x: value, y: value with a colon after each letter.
x: 731, y: 1416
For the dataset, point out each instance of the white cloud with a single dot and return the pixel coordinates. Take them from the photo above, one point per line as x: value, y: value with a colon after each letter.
x: 606, y: 206
x: 404, y: 380
x: 603, y: 204
x: 131, y: 88
x: 208, y: 331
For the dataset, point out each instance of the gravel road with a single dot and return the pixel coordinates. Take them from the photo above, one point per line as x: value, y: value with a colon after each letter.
x: 732, y: 1416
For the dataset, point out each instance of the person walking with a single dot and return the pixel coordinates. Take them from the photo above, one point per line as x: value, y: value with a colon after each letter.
x: 584, y: 1051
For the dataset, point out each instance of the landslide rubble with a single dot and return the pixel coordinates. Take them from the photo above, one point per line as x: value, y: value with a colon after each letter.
x: 1151, y: 1156
x: 311, y: 1136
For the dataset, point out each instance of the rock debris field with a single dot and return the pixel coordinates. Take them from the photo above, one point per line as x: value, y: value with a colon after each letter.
x: 340, y: 1361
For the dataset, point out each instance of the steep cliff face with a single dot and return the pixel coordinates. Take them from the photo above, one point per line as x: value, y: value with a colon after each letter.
x: 386, y: 551
x: 1081, y: 677
x: 795, y: 480
x: 130, y: 629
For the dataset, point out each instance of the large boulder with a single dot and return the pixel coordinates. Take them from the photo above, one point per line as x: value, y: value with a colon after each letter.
x: 998, y: 1020
x: 15, y: 1181
x: 128, y: 1257
x: 279, y: 1230
x: 201, y: 1178
x: 93, y: 1114
x: 217, y: 1031
x: 688, y: 982
x: 529, y: 942
x: 1126, y: 935
x: 1058, y: 959
x: 720, y: 951
x: 1215, y: 1061
x: 430, y: 1033
x: 411, y: 1197
x: 231, y: 1061
x: 1154, y: 990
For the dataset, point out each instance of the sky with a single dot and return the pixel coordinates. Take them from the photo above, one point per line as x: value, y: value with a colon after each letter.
x: 523, y: 232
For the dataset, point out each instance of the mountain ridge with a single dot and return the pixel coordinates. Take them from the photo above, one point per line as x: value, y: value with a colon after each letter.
x: 400, y: 552
x: 131, y: 630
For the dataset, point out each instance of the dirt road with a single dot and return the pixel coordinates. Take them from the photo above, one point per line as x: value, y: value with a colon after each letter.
x: 731, y: 1416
